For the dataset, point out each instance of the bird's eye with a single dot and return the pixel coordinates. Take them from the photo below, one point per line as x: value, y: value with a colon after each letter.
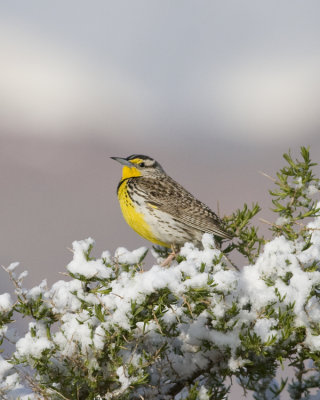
x: 142, y: 164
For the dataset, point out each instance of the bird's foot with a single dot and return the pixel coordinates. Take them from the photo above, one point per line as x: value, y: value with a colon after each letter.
x: 170, y: 257
x: 168, y: 260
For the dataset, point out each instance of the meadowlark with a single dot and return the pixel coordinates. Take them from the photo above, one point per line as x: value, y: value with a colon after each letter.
x: 160, y: 209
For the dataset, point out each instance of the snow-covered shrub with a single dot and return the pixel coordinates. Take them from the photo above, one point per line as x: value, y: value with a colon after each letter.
x: 115, y: 331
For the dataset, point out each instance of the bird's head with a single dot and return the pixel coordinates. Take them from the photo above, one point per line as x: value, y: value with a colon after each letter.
x: 139, y: 165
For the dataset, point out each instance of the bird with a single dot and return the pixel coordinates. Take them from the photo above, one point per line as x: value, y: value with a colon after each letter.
x: 159, y: 209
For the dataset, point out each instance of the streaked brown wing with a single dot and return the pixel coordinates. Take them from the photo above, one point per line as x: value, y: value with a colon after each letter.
x: 170, y: 197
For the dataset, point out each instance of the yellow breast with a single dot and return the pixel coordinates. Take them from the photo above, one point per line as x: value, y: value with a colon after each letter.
x: 134, y: 218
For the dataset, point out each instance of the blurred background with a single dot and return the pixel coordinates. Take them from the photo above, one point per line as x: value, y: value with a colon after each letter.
x: 215, y: 91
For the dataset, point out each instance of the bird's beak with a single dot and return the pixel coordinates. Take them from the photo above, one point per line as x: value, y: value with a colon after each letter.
x: 122, y: 161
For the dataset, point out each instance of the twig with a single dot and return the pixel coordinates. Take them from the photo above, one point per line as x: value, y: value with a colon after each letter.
x: 115, y: 294
x: 267, y: 176
x: 188, y: 305
x: 63, y: 273
x: 306, y: 228
x: 58, y: 393
x: 232, y: 264
x: 157, y: 321
x: 268, y: 222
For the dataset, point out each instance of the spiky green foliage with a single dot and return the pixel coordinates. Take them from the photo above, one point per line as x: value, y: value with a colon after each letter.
x: 113, y: 331
x: 294, y: 196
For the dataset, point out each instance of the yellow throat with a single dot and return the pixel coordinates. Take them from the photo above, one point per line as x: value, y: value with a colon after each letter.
x: 129, y: 172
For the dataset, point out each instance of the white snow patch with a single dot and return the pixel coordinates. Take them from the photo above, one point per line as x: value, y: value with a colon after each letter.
x: 263, y: 328
x: 311, y: 190
x: 5, y: 367
x: 63, y: 296
x: 36, y: 291
x: 235, y: 363
x: 203, y: 394
x: 12, y: 266
x: 123, y: 379
x: 88, y: 268
x: 312, y: 341
x: 5, y: 302
x: 33, y: 344
x: 124, y: 256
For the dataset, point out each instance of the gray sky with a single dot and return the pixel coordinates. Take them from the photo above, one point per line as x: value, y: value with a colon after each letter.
x: 246, y: 70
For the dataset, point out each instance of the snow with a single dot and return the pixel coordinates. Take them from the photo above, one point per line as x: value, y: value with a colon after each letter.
x: 208, y: 241
x: 124, y: 256
x: 254, y: 290
x: 106, y: 256
x: 76, y: 330
x: 34, y: 342
x: 123, y: 379
x: 23, y: 275
x: 197, y: 257
x: 63, y: 296
x: 5, y: 302
x: 36, y: 291
x: 312, y: 341
x: 87, y: 268
x: 12, y: 266
x: 249, y: 286
x: 313, y: 252
x: 312, y: 190
x: 5, y: 367
x: 264, y: 328
x: 298, y: 184
x: 209, y: 306
x: 10, y: 386
x: 203, y: 394
x: 226, y: 280
x: 235, y: 363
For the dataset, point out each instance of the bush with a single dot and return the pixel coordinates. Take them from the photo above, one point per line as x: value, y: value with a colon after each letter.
x: 114, y: 331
